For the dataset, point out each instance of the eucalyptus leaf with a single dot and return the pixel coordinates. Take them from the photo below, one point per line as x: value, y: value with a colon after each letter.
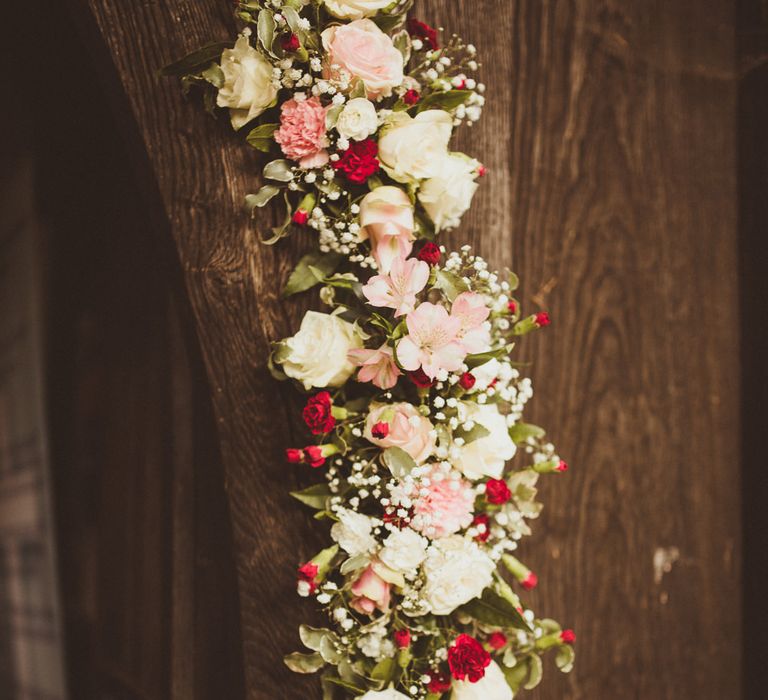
x: 481, y: 358
x: 402, y: 42
x: 478, y: 431
x: 398, y: 461
x: 384, y: 670
x: 279, y: 170
x: 302, y: 277
x: 315, y: 496
x: 354, y: 564
x: 536, y: 672
x: 261, y: 136
x: 197, y: 60
x: 262, y: 197
x: 304, y: 663
x: 329, y: 652
x: 266, y: 30
x: 565, y: 658
x: 312, y: 636
x: 449, y: 284
x: 521, y: 432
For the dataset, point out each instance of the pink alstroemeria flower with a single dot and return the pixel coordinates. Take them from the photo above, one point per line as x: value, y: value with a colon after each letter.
x: 386, y: 218
x: 399, y: 288
x: 432, y: 342
x: 377, y: 366
x: 471, y: 310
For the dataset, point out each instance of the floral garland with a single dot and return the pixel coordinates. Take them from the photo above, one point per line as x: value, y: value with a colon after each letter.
x: 419, y: 412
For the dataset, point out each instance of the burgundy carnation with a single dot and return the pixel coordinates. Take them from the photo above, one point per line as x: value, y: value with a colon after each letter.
x: 542, y: 319
x: 317, y: 413
x: 420, y: 379
x: 424, y: 32
x: 313, y: 456
x: 439, y: 682
x: 430, y: 254
x: 567, y: 636
x: 468, y: 659
x: 359, y: 161
x: 403, y: 638
x: 289, y: 42
x: 497, y: 492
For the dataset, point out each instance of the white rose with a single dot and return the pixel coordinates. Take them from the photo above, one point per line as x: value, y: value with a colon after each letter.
x: 492, y: 686
x: 353, y: 532
x: 448, y: 194
x: 413, y: 148
x: 357, y: 120
x: 456, y: 571
x: 317, y: 354
x: 388, y: 694
x: 404, y: 550
x: 248, y: 87
x: 355, y: 9
x: 485, y: 456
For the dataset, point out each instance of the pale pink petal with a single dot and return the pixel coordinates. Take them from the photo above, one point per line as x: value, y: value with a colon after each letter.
x: 477, y: 340
x: 316, y: 160
x: 408, y: 354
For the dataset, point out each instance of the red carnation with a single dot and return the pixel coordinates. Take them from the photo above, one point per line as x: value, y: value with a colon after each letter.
x: 289, y: 43
x: 317, y: 413
x: 308, y: 573
x: 359, y: 161
x: 481, y: 170
x: 403, y: 638
x: 313, y: 456
x: 411, y: 97
x: 497, y: 492
x: 429, y: 253
x: 567, y: 636
x: 497, y: 640
x: 468, y: 659
x: 439, y: 682
x: 484, y: 532
x: 467, y: 381
x: 562, y: 466
x: 530, y: 581
x: 300, y: 217
x: 294, y: 456
x: 512, y: 306
x: 424, y: 32
x: 380, y: 430
x: 420, y: 379
x: 542, y: 319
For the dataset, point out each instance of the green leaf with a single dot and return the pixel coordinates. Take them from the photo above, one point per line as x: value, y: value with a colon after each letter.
x: 447, y: 101
x: 481, y: 358
x: 449, y: 284
x: 279, y: 170
x: 261, y: 137
x: 358, y: 90
x: 520, y: 432
x: 312, y: 636
x: 536, y: 672
x: 304, y: 663
x: 402, y: 42
x: 197, y: 60
x: 384, y: 670
x: 266, y: 30
x: 345, y: 684
x: 478, y: 431
x: 398, y: 461
x: 515, y: 675
x: 315, y: 496
x: 492, y: 609
x: 328, y: 650
x: 260, y: 199
x: 355, y: 563
x: 214, y: 75
x: 302, y: 277
x: 332, y: 116
x: 565, y: 658
x: 279, y: 232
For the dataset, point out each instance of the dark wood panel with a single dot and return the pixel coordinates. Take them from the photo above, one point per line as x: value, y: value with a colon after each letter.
x: 610, y: 137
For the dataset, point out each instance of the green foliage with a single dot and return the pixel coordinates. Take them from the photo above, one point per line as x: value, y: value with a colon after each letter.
x: 304, y: 663
x: 449, y: 284
x: 261, y: 198
x: 316, y: 496
x: 196, y: 61
x: 311, y: 270
x: 492, y: 609
x: 448, y: 100
x: 398, y: 461
x: 261, y: 137
x: 521, y: 432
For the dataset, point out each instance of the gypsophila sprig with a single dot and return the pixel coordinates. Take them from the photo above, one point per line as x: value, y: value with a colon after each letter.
x: 414, y: 409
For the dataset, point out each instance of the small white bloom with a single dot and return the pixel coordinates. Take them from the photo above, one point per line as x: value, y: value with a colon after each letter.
x: 403, y: 550
x: 353, y: 532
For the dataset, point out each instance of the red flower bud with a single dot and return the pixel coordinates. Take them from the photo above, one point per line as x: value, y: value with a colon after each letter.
x: 567, y: 636
x: 420, y: 379
x: 530, y: 581
x: 308, y: 572
x: 289, y: 43
x: 562, y: 466
x: 542, y: 319
x: 380, y: 430
x: 429, y: 253
x: 497, y: 492
x: 300, y: 217
x: 468, y: 659
x: 439, y: 682
x: 293, y: 455
x: 317, y: 413
x: 482, y: 522
x: 313, y: 456
x: 512, y: 306
x: 403, y: 638
x: 467, y: 381
x: 482, y: 171
x: 411, y: 97
x: 497, y: 640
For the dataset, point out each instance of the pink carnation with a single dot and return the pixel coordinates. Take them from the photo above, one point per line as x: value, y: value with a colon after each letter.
x: 302, y: 133
x: 445, y: 503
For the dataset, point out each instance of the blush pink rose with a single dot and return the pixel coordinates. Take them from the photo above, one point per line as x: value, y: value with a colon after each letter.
x: 376, y: 366
x: 302, y: 134
x: 370, y: 592
x: 408, y: 429
x: 445, y: 503
x: 386, y: 219
x: 475, y: 334
x: 365, y: 53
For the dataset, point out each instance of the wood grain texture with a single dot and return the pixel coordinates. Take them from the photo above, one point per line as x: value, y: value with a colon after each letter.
x: 610, y: 139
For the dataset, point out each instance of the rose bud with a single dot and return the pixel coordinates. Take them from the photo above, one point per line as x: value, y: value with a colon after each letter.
x: 482, y: 171
x: 482, y: 524
x: 420, y: 378
x: 403, y: 638
x: 562, y: 466
x: 512, y: 306
x: 567, y: 636
x: 530, y: 581
x: 300, y: 217
x: 467, y: 381
x: 429, y: 253
x: 315, y: 456
x: 497, y: 640
x: 380, y: 430
x: 497, y: 492
x: 542, y: 319
x: 289, y: 43
x: 294, y: 456
x: 411, y: 97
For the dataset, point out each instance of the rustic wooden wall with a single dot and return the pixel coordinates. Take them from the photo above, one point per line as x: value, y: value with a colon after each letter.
x: 610, y: 138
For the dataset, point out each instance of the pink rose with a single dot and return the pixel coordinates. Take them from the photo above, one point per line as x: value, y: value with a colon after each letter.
x: 470, y: 308
x: 445, y: 503
x: 376, y: 366
x: 408, y: 429
x: 371, y: 592
x: 386, y: 218
x: 302, y: 134
x: 365, y: 53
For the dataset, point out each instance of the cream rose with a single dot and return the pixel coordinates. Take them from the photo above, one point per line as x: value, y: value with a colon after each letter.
x: 413, y: 148
x: 355, y: 9
x: 492, y: 686
x: 317, y: 354
x: 448, y: 194
x: 353, y: 532
x: 365, y: 53
x: 357, y: 120
x: 406, y: 429
x: 485, y: 456
x: 456, y: 571
x: 404, y: 550
x: 386, y: 219
x: 248, y: 87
